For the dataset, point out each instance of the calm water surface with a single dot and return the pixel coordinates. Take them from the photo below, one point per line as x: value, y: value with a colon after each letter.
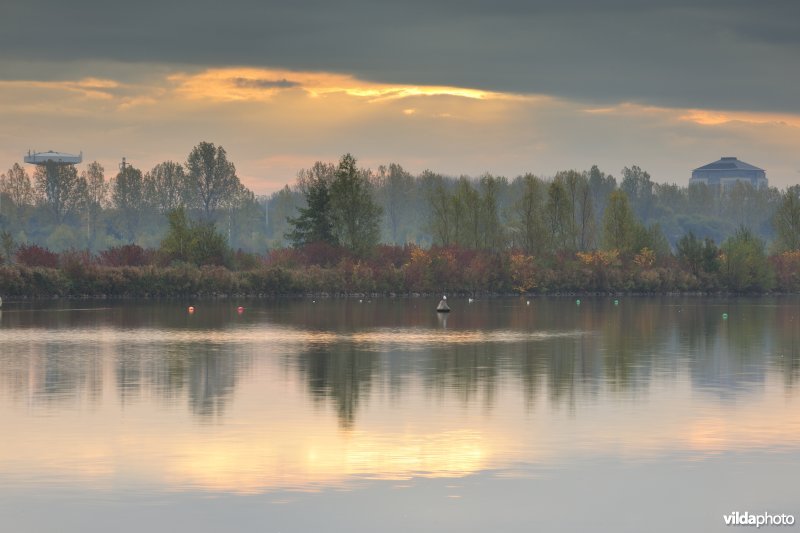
x: 653, y: 415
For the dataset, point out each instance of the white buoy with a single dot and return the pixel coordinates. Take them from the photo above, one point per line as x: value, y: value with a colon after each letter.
x: 471, y: 300
x: 443, y: 307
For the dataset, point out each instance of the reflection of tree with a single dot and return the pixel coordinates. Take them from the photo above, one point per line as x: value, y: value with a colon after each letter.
x: 63, y: 372
x: 128, y: 372
x: 212, y: 378
x: 598, y: 349
x: 787, y: 343
x: 342, y: 373
x: 209, y: 371
x: 465, y: 370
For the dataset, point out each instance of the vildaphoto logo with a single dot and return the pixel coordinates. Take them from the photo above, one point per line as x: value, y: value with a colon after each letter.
x: 764, y: 519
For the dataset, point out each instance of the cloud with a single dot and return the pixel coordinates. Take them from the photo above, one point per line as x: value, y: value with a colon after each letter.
x: 239, y: 83
x: 723, y: 54
x: 271, y: 129
x: 248, y: 83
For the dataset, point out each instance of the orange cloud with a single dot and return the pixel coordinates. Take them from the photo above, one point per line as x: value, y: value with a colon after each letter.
x: 87, y: 87
x: 236, y: 84
x: 703, y: 117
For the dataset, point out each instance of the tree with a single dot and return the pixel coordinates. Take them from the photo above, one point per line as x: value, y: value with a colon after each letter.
x: 212, y: 178
x: 7, y: 246
x: 16, y: 185
x: 787, y: 220
x: 395, y: 188
x: 127, y: 193
x: 579, y: 194
x: 194, y: 242
x: 492, y: 230
x: 441, y: 223
x: 601, y: 185
x: 315, y: 222
x: 619, y: 224
x: 699, y: 256
x: 559, y: 217
x: 528, y: 220
x: 95, y: 196
x: 637, y: 185
x: 58, y: 188
x: 465, y: 214
x: 166, y: 187
x: 690, y: 252
x: 355, y: 215
x: 280, y: 205
x: 745, y: 265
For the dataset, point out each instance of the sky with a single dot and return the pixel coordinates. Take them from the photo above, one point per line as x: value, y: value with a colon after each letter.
x: 459, y: 87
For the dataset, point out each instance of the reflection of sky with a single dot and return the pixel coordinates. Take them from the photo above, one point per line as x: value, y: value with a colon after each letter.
x: 274, y: 407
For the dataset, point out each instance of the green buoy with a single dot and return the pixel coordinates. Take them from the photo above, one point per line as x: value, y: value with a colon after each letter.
x: 578, y: 302
x: 616, y: 302
x: 724, y: 316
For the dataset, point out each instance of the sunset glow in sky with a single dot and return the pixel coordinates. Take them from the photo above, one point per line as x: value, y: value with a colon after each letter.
x: 503, y: 88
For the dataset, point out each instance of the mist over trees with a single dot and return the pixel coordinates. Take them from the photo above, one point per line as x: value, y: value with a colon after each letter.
x: 60, y: 209
x: 344, y: 205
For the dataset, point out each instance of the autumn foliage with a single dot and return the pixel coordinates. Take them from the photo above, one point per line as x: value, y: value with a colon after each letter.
x: 132, y: 271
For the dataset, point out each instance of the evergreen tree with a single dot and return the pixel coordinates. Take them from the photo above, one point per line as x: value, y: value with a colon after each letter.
x: 315, y: 223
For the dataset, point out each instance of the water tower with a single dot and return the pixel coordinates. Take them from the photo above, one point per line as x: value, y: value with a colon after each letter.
x: 51, y: 161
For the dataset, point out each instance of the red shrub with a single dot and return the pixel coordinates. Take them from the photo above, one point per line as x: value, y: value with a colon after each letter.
x: 127, y: 255
x: 35, y: 256
x: 321, y: 253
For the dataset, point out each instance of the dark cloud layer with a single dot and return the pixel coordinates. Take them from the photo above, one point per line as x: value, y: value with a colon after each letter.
x: 729, y: 54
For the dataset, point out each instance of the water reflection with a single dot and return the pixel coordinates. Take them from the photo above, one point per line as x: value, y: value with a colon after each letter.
x: 301, y: 394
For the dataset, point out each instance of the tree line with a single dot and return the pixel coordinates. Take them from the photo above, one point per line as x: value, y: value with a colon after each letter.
x: 579, y: 230
x: 60, y: 208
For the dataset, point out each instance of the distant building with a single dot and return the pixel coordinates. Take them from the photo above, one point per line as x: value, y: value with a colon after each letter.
x: 722, y: 175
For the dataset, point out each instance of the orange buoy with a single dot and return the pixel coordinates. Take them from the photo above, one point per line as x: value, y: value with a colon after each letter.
x: 191, y: 309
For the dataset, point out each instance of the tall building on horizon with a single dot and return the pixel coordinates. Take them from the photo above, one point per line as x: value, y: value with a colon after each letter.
x: 723, y: 174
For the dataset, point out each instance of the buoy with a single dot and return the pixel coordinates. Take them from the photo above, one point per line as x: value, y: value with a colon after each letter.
x: 443, y: 307
x: 724, y: 316
x: 240, y: 309
x: 470, y: 300
x: 191, y: 309
x: 528, y: 302
x: 577, y: 302
x: 616, y: 302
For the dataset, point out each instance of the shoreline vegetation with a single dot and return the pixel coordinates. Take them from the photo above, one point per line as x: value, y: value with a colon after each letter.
x: 194, y: 230
x: 323, y: 270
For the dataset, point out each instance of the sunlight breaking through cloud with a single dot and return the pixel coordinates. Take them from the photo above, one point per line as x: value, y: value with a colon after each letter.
x: 262, y: 84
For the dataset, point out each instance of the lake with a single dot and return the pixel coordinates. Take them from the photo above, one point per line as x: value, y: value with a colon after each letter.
x: 651, y: 414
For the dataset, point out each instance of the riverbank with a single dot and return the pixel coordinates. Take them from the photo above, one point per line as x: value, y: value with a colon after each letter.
x: 500, y: 277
